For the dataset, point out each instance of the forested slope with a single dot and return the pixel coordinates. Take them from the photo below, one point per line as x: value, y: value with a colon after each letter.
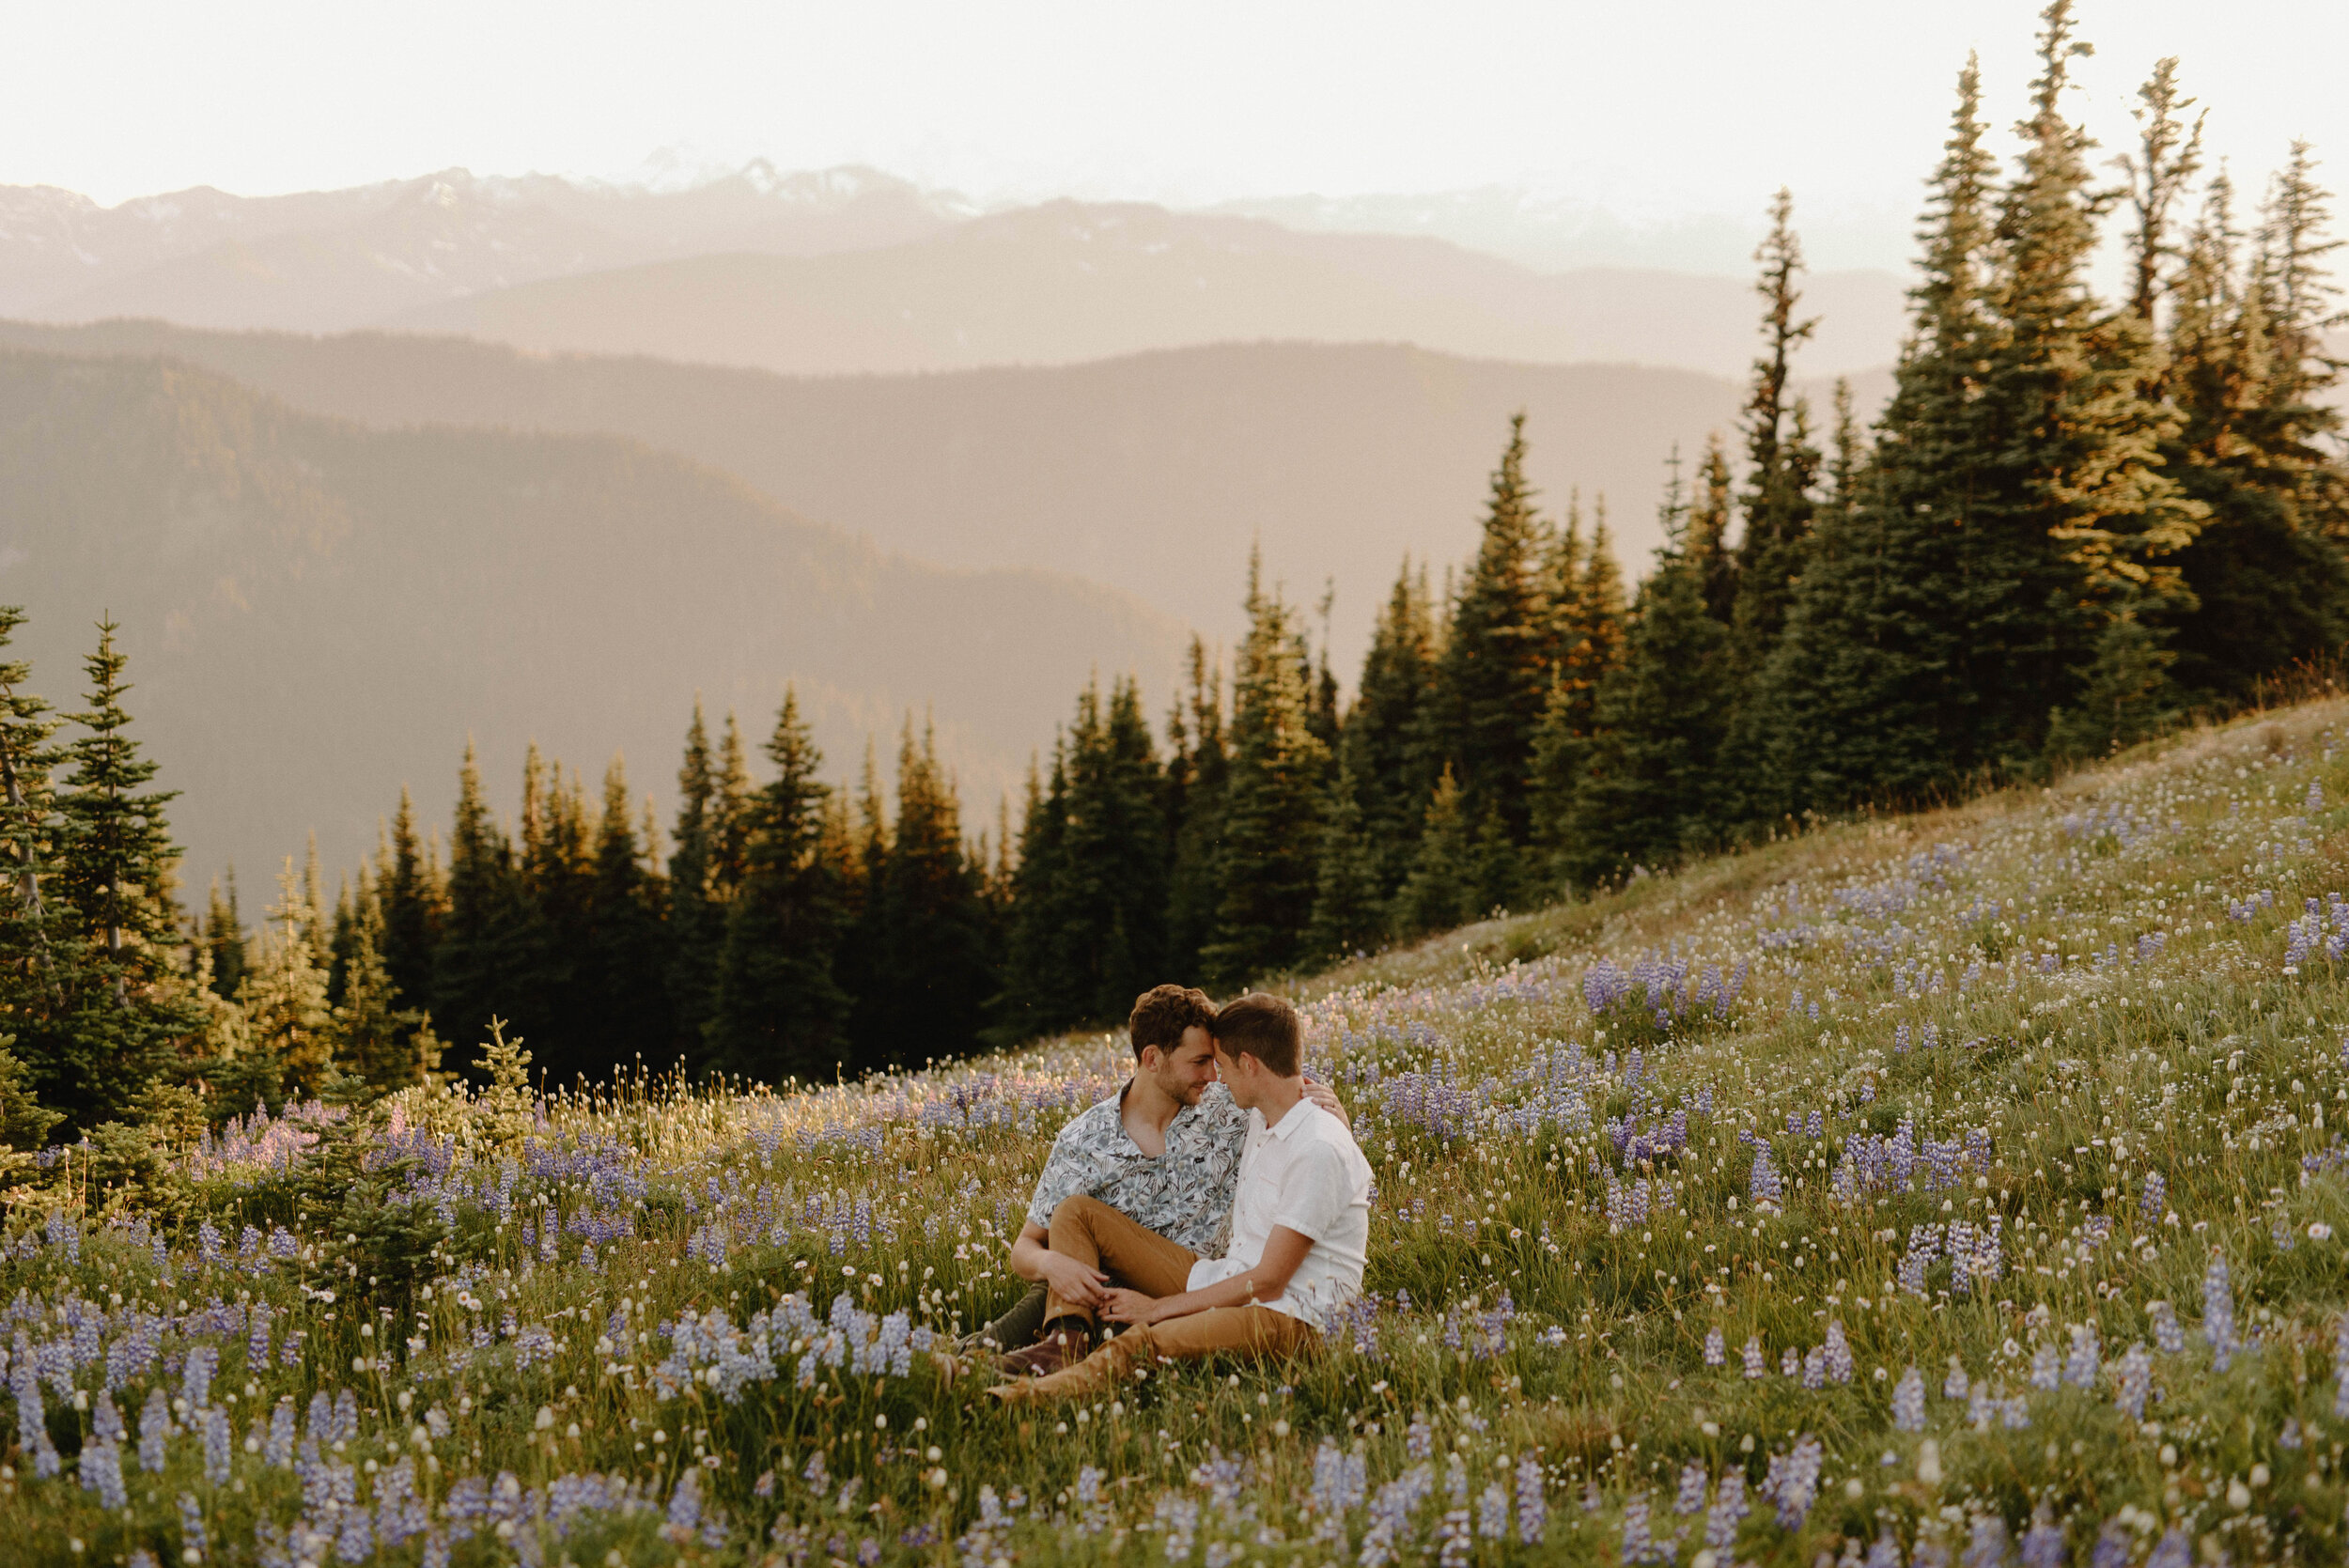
x: 315, y: 611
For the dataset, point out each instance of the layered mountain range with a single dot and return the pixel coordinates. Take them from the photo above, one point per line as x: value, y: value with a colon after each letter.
x: 317, y: 612
x: 850, y: 271
x: 363, y: 473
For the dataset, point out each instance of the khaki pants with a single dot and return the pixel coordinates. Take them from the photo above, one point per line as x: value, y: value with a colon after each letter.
x: 1132, y: 1255
x: 1095, y: 1233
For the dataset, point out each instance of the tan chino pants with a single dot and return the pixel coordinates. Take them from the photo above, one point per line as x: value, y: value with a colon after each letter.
x: 1100, y: 1236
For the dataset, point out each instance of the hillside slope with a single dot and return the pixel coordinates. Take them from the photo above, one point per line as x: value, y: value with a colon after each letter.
x: 1958, y: 1187
x: 316, y: 612
x: 1153, y: 473
x: 1069, y: 281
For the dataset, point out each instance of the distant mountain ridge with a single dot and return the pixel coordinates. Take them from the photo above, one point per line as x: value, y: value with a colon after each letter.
x: 1066, y: 282
x: 335, y: 260
x: 851, y: 270
x: 1155, y: 474
x: 316, y: 612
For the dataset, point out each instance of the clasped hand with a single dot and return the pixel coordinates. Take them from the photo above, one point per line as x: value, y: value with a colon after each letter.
x: 1132, y: 1306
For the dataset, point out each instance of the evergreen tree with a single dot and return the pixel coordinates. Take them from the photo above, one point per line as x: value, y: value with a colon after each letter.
x: 862, y: 965
x: 1036, y: 994
x: 284, y: 998
x: 113, y: 868
x: 934, y: 980
x: 2267, y: 575
x: 1650, y: 787
x: 40, y: 948
x: 1437, y: 895
x: 342, y: 932
x: 470, y: 961
x: 1113, y: 854
x: 2079, y: 515
x: 2013, y: 502
x: 1272, y: 801
x: 1591, y: 638
x: 779, y: 1012
x: 696, y: 924
x: 2128, y: 696
x: 1497, y: 661
x: 1710, y: 557
x: 733, y: 813
x: 626, y: 950
x: 1388, y: 758
x: 1199, y: 781
x: 386, y: 1046
x: 224, y: 938
x: 411, y: 911
x: 1782, y: 463
x: 2160, y: 169
x: 1350, y: 900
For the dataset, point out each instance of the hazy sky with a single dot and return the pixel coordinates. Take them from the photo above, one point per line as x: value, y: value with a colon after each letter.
x: 1656, y: 113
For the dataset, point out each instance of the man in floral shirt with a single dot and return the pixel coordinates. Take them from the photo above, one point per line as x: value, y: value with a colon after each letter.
x: 1164, y: 1151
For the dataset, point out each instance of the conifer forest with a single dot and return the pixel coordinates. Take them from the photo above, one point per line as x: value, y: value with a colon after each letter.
x: 1842, y: 1016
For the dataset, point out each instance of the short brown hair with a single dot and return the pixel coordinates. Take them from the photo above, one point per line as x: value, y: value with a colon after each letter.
x: 1163, y: 1012
x: 1262, y: 1026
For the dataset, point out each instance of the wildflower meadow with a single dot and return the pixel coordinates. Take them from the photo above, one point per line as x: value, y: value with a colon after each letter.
x: 1962, y: 1188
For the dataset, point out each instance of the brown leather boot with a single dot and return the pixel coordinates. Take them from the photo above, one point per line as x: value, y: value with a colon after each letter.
x: 1064, y: 1345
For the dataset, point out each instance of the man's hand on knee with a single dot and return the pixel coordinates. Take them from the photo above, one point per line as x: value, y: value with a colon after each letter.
x: 1073, y: 1280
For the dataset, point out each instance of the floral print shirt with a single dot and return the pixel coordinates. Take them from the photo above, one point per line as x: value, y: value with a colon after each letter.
x: 1184, y: 1194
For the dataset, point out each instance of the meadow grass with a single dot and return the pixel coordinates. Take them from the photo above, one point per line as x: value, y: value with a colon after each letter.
x: 1961, y: 1187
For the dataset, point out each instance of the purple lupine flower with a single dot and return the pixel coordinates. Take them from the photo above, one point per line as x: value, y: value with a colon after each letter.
x: 1754, y: 1366
x: 219, y: 1440
x: 2218, y: 1315
x: 1715, y: 1350
x: 279, y: 1449
x: 193, y: 1543
x: 154, y: 1430
x: 1693, y: 1483
x: 1640, y: 1545
x: 1533, y: 1505
x: 101, y: 1472
x: 1909, y: 1402
x: 685, y: 1503
x: 2133, y: 1380
x: 1988, y: 1547
x: 1837, y: 1353
x: 1792, y: 1481
x: 256, y: 1341
x: 1729, y: 1509
x: 195, y: 1382
x: 1493, y: 1512
x: 2082, y: 1367
x: 2169, y: 1337
x: 2043, y: 1543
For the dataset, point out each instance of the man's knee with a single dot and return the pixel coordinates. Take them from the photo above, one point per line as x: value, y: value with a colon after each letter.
x: 1079, y: 1209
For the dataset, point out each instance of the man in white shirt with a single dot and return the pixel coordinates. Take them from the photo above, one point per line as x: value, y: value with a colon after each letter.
x: 1301, y: 1228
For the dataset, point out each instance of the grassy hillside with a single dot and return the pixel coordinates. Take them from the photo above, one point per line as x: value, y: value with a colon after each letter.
x: 1067, y: 281
x: 1918, y: 1188
x: 316, y: 612
x: 1154, y: 473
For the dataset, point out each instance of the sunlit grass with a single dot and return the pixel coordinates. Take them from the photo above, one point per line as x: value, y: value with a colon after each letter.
x: 2101, y: 969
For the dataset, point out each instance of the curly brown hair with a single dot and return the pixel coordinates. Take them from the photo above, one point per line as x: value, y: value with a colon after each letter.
x: 1163, y: 1012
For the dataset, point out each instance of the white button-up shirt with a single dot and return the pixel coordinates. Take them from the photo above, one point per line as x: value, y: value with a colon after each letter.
x: 1306, y: 1172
